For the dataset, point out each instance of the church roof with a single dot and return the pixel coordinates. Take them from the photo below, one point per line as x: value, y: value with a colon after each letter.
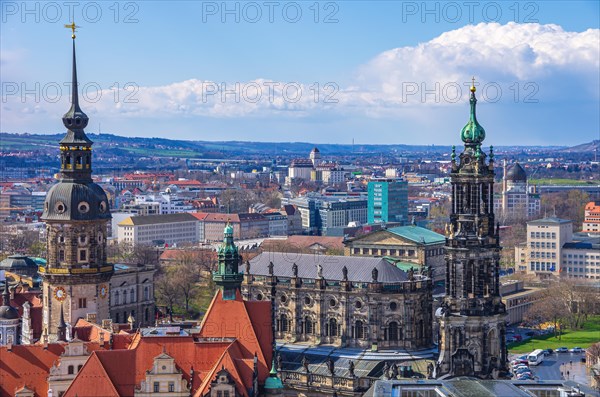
x: 359, y: 267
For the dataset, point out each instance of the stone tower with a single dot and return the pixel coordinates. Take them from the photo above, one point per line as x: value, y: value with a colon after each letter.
x: 472, y: 316
x: 228, y: 276
x: 76, y: 212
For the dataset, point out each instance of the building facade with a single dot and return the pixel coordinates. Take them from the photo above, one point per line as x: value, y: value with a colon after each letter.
x: 472, y: 316
x: 76, y: 212
x: 404, y: 245
x: 132, y: 294
x: 342, y: 301
x: 387, y: 200
x: 591, y: 222
x: 171, y: 229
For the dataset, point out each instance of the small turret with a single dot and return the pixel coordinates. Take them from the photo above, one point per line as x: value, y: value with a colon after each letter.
x: 228, y: 276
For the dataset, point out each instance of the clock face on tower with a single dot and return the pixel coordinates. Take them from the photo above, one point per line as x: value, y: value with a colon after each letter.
x: 103, y: 291
x: 60, y: 294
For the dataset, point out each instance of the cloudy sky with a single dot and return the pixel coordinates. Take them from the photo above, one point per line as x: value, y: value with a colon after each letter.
x: 323, y: 72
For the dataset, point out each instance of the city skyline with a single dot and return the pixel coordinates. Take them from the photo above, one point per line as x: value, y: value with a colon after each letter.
x: 387, y: 81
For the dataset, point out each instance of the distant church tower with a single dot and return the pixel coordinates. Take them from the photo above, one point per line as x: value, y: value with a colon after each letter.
x: 228, y: 277
x: 76, y: 212
x: 472, y: 316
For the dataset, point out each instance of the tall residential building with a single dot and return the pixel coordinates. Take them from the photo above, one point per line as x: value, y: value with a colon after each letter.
x: 517, y: 200
x: 388, y: 200
x: 76, y: 211
x: 472, y: 315
x: 591, y: 223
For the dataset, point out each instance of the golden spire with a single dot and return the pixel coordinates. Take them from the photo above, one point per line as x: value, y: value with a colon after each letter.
x: 473, y: 84
x: 72, y: 26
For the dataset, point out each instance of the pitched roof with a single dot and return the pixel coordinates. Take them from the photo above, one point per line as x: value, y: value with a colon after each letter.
x: 155, y: 219
x: 93, y: 380
x: 418, y: 234
x: 303, y: 242
x: 359, y: 267
x: 27, y: 366
x: 549, y: 221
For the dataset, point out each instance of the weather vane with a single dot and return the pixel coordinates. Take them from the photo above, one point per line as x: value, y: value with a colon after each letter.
x: 73, y: 27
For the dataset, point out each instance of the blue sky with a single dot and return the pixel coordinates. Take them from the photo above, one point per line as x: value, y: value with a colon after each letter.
x: 324, y: 72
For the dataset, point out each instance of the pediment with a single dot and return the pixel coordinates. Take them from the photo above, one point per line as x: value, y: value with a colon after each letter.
x: 382, y: 237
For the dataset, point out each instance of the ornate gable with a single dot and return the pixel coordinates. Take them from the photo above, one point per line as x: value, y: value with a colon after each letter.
x: 382, y: 237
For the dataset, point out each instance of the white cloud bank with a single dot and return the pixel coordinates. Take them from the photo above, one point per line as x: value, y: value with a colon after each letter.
x: 393, y: 83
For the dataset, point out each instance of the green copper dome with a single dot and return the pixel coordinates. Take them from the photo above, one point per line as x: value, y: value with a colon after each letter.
x: 472, y: 133
x: 273, y: 382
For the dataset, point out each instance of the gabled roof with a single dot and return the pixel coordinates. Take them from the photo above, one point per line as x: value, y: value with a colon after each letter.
x: 27, y: 366
x: 93, y: 380
x: 549, y: 221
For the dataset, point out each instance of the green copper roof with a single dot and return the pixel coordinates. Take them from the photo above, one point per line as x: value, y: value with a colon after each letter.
x: 472, y: 132
x: 418, y: 234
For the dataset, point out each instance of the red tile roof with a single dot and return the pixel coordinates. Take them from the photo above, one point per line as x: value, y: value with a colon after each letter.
x: 27, y: 366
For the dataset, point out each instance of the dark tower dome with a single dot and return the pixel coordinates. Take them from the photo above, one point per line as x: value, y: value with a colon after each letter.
x: 7, y: 312
x: 516, y: 174
x: 19, y: 264
x: 76, y: 201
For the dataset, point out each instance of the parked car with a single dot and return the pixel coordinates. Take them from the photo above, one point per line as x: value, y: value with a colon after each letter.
x: 525, y: 377
x: 519, y: 368
x: 548, y: 351
x: 523, y: 357
x: 518, y: 361
x: 522, y: 370
x: 562, y: 350
x: 577, y: 350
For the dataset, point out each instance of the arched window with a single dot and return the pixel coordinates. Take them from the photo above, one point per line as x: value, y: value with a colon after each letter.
x: 359, y: 331
x: 393, y: 331
x: 284, y: 324
x: 117, y: 299
x: 308, y: 326
x: 333, y: 327
x: 117, y: 318
x: 132, y: 296
x: 79, y: 367
x: 71, y: 370
x: 146, y: 293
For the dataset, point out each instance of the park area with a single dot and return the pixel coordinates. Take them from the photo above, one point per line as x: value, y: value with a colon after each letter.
x: 584, y: 337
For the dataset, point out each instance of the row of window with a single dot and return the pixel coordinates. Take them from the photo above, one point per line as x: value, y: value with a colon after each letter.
x: 543, y: 244
x: 543, y: 235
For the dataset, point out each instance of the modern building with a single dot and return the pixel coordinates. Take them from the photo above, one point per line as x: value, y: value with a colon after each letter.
x: 404, y: 246
x: 591, y: 223
x: 387, y: 200
x: 171, y: 229
x: 472, y: 315
x: 518, y: 299
x: 342, y: 301
x: 329, y: 215
x: 517, y: 200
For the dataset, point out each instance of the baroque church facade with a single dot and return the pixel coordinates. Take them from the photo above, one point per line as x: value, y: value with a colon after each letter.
x: 472, y: 315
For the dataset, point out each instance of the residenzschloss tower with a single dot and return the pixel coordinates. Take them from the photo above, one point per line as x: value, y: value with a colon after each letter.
x: 472, y: 316
x: 76, y: 212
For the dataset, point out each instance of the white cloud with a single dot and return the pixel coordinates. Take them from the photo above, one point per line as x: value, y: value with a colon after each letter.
x: 499, y: 55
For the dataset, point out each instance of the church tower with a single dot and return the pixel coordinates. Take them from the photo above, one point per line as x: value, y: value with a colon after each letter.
x: 472, y: 316
x: 228, y: 277
x: 76, y: 212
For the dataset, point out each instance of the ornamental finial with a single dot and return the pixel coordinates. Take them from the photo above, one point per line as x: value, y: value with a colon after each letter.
x: 73, y: 27
x: 473, y: 89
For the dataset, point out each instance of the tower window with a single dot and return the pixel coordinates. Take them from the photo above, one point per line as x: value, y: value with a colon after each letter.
x: 156, y: 387
x: 82, y: 303
x: 71, y: 370
x: 61, y: 255
x: 83, y: 255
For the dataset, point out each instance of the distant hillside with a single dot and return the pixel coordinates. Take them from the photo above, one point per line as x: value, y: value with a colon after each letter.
x: 589, y: 147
